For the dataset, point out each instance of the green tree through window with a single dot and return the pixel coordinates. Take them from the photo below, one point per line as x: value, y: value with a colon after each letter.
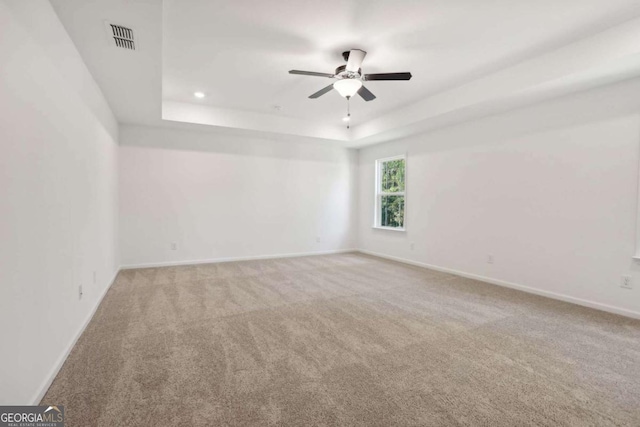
x: 390, y: 197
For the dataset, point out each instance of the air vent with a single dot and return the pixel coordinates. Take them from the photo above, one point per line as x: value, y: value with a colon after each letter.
x: 123, y: 37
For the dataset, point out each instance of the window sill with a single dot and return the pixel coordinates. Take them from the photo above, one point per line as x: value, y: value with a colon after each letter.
x: 377, y: 227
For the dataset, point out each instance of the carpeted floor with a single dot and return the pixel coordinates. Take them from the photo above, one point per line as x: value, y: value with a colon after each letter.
x: 345, y: 340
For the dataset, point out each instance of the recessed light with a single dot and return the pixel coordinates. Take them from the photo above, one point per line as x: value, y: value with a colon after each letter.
x: 198, y: 94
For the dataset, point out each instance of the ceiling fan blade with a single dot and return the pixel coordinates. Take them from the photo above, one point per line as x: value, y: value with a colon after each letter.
x: 366, y: 94
x: 356, y: 56
x: 321, y: 92
x: 388, y: 76
x: 311, y: 73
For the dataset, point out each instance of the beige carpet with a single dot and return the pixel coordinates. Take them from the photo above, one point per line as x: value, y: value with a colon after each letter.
x: 344, y: 340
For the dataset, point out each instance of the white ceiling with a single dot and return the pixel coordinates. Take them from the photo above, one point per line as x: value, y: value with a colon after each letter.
x: 463, y: 54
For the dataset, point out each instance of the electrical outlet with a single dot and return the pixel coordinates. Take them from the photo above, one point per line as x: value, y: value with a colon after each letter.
x: 317, y: 239
x: 489, y: 259
x: 174, y: 246
x: 626, y: 282
x: 80, y: 292
x: 412, y: 246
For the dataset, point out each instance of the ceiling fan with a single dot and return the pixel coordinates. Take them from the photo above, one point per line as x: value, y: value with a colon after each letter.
x: 350, y: 77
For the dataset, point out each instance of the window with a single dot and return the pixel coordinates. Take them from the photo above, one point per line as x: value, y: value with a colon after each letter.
x: 390, y: 193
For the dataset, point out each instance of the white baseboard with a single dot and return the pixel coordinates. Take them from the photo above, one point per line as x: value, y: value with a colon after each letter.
x: 231, y: 259
x: 528, y: 289
x: 63, y: 357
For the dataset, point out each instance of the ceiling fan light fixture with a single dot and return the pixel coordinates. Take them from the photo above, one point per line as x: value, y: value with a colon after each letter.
x: 347, y: 87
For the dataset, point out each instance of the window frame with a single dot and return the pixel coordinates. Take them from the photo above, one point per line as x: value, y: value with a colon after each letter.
x: 378, y: 193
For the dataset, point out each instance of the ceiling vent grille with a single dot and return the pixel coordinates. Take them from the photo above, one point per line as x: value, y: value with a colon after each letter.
x: 123, y: 37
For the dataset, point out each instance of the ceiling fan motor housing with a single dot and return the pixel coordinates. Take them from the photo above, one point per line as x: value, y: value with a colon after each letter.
x: 342, y: 72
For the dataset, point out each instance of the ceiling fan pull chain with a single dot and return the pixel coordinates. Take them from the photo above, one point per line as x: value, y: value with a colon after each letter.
x: 348, y: 112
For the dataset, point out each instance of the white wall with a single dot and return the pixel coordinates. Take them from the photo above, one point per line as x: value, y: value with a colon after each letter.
x: 550, y: 191
x: 224, y: 197
x: 58, y: 197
